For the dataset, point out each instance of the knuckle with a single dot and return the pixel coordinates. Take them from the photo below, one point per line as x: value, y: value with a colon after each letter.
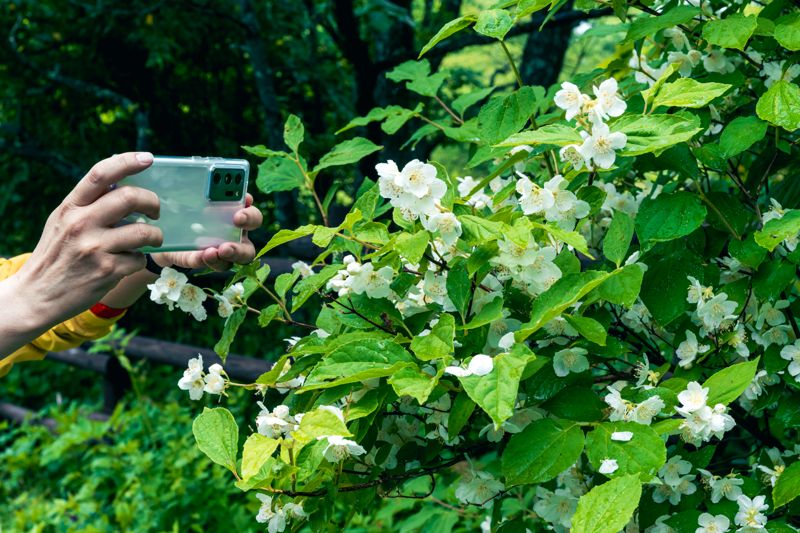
x: 106, y: 266
x: 97, y: 175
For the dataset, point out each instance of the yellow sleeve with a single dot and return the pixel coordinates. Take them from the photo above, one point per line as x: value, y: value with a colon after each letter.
x: 68, y: 334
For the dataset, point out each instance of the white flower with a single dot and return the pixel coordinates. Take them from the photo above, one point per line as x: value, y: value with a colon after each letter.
x: 674, y: 469
x: 566, y: 207
x: 480, y: 199
x: 479, y: 365
x: 715, y: 61
x: 678, y: 38
x: 674, y: 492
x: 715, y: 311
x: 571, y: 154
x: 191, y: 301
x: 533, y: 199
x: 772, y: 314
x: 414, y: 191
x: 729, y: 487
x: 340, y: 448
x: 224, y: 308
x: 192, y: 379
x: 570, y: 99
x: 712, y: 524
x: 687, y: 350
x: 608, y: 466
x: 750, y: 512
x: 295, y: 510
x: 302, y: 269
x: 646, y: 411
x: 622, y: 436
x: 570, y: 360
x: 276, y: 423
x: 644, y: 72
x: 556, y: 507
x: 446, y: 224
x: 275, y: 520
x: 507, y: 341
x: 609, y: 104
x: 686, y: 62
x: 214, y: 381
x: 480, y: 489
x: 602, y: 144
x: 792, y: 354
x: 235, y: 292
x: 773, y: 72
x: 693, y: 398
x: 167, y: 288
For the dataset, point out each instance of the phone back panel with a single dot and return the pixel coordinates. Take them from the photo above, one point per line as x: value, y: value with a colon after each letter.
x: 199, y: 197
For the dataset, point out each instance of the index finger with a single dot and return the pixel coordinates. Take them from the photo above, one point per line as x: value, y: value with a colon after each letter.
x: 106, y: 173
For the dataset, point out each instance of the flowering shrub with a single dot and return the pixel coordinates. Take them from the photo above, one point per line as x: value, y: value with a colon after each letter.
x: 594, y: 332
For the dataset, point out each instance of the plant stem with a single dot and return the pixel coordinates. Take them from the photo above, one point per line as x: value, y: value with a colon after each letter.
x: 449, y: 111
x: 513, y: 64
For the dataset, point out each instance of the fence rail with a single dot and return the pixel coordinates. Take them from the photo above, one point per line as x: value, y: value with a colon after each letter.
x: 116, y: 380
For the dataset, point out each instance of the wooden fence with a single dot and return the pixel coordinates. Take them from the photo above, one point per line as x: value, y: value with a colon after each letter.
x: 116, y: 380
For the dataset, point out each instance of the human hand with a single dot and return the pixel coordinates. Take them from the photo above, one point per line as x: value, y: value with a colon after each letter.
x: 220, y: 258
x: 81, y: 255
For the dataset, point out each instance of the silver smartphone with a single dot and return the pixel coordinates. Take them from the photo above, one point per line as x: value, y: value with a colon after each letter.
x: 199, y: 197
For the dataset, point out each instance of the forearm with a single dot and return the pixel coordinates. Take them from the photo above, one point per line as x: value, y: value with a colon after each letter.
x: 22, y: 317
x: 128, y: 290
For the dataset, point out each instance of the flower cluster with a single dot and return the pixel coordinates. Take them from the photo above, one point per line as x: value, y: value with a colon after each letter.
x: 276, y: 517
x: 415, y: 191
x: 197, y: 382
x: 701, y: 422
x: 599, y: 143
x: 173, y: 288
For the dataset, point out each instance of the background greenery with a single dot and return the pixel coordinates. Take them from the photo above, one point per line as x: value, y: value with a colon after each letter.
x: 81, y: 80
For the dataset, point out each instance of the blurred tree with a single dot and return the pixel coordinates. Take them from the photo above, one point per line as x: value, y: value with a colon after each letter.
x: 83, y: 79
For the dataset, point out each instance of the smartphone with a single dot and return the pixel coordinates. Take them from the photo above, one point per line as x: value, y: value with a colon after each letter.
x: 199, y: 197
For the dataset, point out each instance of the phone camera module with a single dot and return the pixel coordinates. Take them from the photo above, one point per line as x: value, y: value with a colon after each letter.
x: 217, y: 178
x: 227, y: 179
x: 238, y: 179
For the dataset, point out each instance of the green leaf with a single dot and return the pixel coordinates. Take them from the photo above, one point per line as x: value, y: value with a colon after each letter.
x: 286, y: 235
x: 589, y: 328
x: 643, y: 455
x: 528, y: 7
x: 665, y: 285
x: 489, y: 313
x: 648, y: 25
x: 787, y: 486
x: 418, y: 77
x: 780, y: 105
x: 393, y: 118
x: 787, y: 31
x: 257, y: 449
x: 564, y: 292
x: 496, y: 392
x: 412, y: 246
x: 655, y: 133
x: 465, y: 101
x: 293, y: 132
x: 623, y: 287
x: 618, y: 238
x: 686, y: 92
x: 309, y: 286
x: 479, y: 229
x: 494, y: 23
x: 573, y: 238
x: 411, y: 381
x: 647, y: 94
x: 505, y: 115
x: 729, y: 383
x: 541, y: 451
x: 318, y: 423
x: 459, y: 287
x: 217, y: 436
x: 668, y: 217
x: 358, y: 361
x: 438, y: 343
x: 268, y: 314
x: 731, y: 32
x: 607, y: 508
x: 279, y: 174
x: 262, y: 151
x: 346, y: 153
x: 462, y: 409
x: 777, y: 230
x: 551, y: 134
x: 740, y: 134
x: 452, y: 27
x: 232, y: 323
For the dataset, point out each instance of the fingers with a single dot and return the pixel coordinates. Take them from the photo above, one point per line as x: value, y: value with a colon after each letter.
x: 212, y: 260
x: 249, y: 218
x: 105, y: 173
x: 131, y: 237
x: 129, y: 262
x: 248, y: 200
x: 237, y: 252
x: 119, y: 203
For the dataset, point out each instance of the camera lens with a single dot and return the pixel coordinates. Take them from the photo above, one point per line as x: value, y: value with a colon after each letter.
x: 238, y: 179
x: 227, y: 179
x: 217, y: 178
